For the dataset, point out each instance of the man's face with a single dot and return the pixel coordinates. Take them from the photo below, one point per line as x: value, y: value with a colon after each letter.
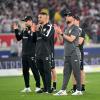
x: 28, y: 23
x: 69, y: 19
x: 42, y: 18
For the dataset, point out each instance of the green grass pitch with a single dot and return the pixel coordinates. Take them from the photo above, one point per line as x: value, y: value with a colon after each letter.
x: 10, y: 89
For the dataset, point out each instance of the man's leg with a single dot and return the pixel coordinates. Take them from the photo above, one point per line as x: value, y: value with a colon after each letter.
x: 82, y: 75
x: 40, y: 66
x: 34, y: 71
x: 54, y: 77
x: 83, y: 80
x: 53, y: 73
x: 66, y: 76
x: 75, y: 63
x: 25, y: 70
x: 66, y: 72
x: 47, y: 71
x: 74, y: 84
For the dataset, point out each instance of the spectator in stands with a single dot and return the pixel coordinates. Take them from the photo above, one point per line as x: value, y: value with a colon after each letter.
x: 14, y: 48
x: 86, y: 9
x: 57, y: 40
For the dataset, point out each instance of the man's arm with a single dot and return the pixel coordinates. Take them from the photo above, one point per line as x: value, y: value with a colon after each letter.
x: 59, y: 31
x: 70, y: 38
x: 33, y: 29
x: 73, y: 34
x: 82, y: 37
x: 81, y: 40
x: 17, y: 33
x: 47, y: 33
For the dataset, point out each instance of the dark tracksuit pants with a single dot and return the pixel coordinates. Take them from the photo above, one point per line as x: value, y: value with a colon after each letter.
x: 45, y: 71
x: 71, y: 62
x: 29, y: 62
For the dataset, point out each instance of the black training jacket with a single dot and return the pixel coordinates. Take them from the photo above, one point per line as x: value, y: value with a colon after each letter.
x: 44, y: 35
x: 28, y: 41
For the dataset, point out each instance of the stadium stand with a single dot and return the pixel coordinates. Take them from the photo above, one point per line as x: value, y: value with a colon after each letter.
x: 14, y: 10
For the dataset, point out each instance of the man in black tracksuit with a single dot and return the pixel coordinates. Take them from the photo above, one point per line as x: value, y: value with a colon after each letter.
x: 53, y: 71
x: 81, y: 44
x: 28, y: 38
x: 82, y: 38
x: 44, y: 35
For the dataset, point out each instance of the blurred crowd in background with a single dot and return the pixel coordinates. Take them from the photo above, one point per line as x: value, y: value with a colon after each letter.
x: 88, y: 10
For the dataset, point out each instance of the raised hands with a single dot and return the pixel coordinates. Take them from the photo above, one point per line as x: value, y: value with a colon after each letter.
x: 33, y: 27
x: 15, y: 26
x: 38, y: 26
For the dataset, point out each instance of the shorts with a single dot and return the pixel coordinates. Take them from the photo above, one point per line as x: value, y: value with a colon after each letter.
x: 52, y: 60
x: 82, y: 61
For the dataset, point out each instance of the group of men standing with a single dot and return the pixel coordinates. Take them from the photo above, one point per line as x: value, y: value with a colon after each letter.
x: 38, y: 52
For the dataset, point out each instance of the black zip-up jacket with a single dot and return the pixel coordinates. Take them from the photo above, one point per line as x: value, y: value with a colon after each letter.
x: 28, y: 41
x: 82, y: 34
x: 44, y: 35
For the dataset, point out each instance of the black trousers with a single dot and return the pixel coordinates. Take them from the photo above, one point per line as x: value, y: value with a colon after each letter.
x: 45, y: 71
x: 29, y: 62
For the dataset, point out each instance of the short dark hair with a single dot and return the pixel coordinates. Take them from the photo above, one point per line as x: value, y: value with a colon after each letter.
x: 69, y: 14
x: 27, y: 18
x: 77, y: 17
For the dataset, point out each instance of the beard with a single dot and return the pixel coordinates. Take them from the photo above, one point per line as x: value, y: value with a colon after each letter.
x: 68, y: 22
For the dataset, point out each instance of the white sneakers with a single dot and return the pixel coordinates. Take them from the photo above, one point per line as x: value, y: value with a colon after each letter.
x: 27, y: 90
x: 37, y: 89
x: 77, y: 93
x: 61, y: 92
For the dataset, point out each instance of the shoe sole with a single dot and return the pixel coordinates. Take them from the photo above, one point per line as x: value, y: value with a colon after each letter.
x: 77, y: 94
x: 60, y: 94
x: 26, y: 92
